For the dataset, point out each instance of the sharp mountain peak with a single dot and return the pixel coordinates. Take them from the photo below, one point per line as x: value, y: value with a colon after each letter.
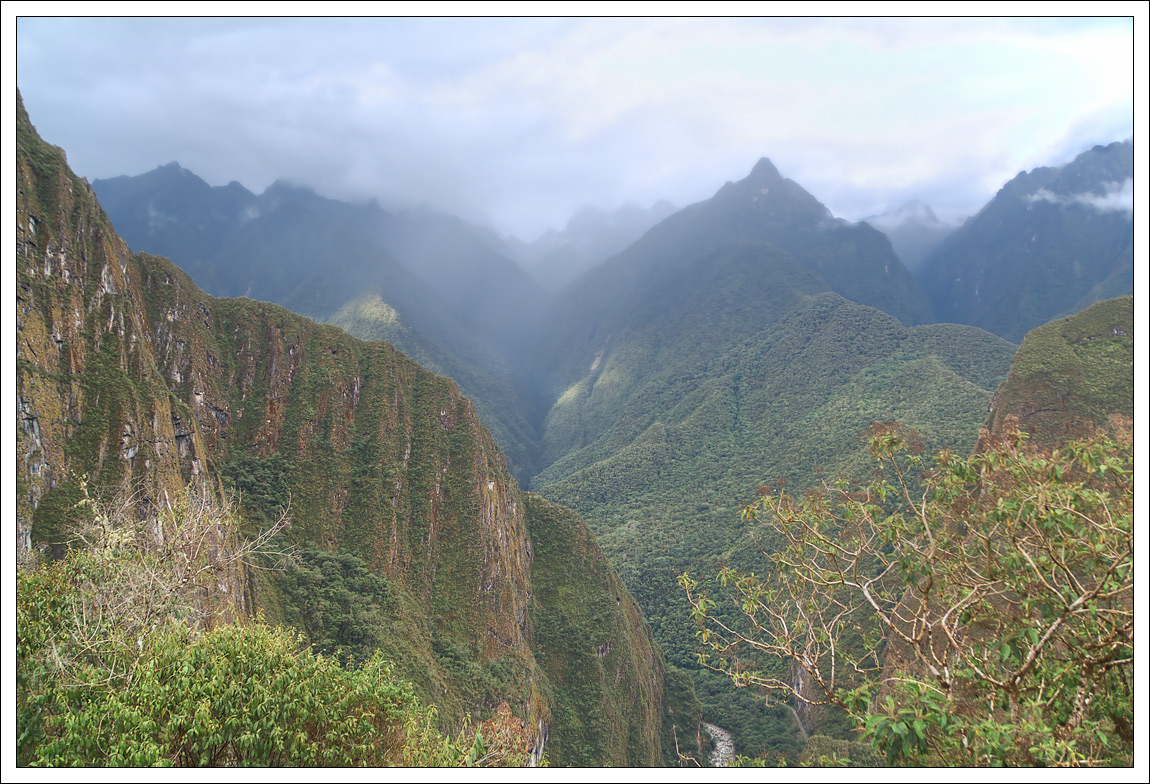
x: 764, y: 171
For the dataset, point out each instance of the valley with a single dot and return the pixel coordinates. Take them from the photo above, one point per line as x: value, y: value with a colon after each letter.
x: 495, y: 481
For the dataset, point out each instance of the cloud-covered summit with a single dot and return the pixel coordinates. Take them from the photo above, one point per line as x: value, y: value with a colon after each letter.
x: 520, y: 122
x: 1113, y: 197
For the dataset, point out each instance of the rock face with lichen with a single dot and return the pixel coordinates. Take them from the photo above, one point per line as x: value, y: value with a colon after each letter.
x: 91, y: 398
x: 131, y: 377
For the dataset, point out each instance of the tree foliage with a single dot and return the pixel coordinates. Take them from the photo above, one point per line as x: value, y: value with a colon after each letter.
x: 979, y: 612
x: 127, y: 656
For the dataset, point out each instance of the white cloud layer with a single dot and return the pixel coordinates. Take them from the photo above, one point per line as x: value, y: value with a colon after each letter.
x: 1114, y: 198
x: 521, y: 122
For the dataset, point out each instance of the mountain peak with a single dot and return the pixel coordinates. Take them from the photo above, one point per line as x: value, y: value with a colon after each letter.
x: 913, y: 212
x: 764, y: 171
x: 286, y: 186
x: 173, y: 169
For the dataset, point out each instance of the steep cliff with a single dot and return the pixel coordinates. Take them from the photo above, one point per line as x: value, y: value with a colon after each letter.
x: 130, y: 376
x: 91, y: 398
x: 608, y: 679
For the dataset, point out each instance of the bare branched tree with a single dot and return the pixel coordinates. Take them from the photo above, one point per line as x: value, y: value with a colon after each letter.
x: 187, y: 564
x: 978, y: 612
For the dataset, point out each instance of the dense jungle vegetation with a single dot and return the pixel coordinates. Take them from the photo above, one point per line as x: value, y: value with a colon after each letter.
x: 250, y: 538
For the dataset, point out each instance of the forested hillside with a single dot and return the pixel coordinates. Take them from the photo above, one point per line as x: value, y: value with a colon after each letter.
x: 413, y: 540
x: 750, y: 340
x: 1071, y: 376
x: 962, y: 610
x: 685, y: 446
x: 742, y: 339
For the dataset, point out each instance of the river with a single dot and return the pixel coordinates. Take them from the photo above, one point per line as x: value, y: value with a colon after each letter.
x: 724, y: 751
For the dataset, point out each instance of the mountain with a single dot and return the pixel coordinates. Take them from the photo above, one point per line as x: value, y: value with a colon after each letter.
x: 590, y: 237
x: 414, y: 537
x: 170, y: 208
x: 745, y: 338
x: 684, y: 449
x: 1051, y: 242
x: 264, y: 246
x: 914, y: 231
x: 854, y: 260
x: 428, y: 283
x: 1071, y: 376
x: 697, y: 284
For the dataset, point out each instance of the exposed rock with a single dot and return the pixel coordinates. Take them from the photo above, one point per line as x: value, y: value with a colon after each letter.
x: 724, y: 752
x: 385, y: 460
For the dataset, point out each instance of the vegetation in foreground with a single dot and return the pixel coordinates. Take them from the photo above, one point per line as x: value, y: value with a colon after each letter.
x: 122, y: 661
x: 993, y: 597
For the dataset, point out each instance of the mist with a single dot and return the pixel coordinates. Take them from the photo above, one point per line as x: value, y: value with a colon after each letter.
x: 519, y: 123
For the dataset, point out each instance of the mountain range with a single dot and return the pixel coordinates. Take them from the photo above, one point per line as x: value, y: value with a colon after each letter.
x: 1051, y: 242
x: 743, y: 338
x: 657, y: 368
x: 128, y: 375
x: 428, y: 283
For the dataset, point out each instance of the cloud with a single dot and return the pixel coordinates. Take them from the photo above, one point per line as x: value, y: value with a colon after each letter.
x: 1115, y: 197
x: 522, y: 122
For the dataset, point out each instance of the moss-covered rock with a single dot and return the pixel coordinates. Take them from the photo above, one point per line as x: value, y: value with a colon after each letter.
x: 414, y: 530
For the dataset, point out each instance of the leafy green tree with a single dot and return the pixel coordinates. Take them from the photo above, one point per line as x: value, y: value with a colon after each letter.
x: 976, y: 612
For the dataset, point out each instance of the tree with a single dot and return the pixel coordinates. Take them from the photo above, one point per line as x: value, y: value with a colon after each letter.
x: 134, y: 649
x: 980, y: 612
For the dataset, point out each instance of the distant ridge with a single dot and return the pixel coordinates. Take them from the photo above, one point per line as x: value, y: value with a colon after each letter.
x: 1050, y: 243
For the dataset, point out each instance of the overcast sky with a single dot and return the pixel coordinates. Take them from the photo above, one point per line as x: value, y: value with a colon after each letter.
x: 518, y: 123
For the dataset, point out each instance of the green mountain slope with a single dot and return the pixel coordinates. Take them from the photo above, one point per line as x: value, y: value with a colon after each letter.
x: 582, y: 615
x: 744, y: 338
x: 691, y: 310
x: 697, y: 284
x: 663, y: 481
x: 428, y: 283
x: 415, y: 537
x: 1071, y: 375
x: 762, y: 209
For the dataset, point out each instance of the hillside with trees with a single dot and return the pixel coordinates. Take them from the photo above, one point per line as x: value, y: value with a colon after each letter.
x: 695, y: 410
x: 707, y: 356
x: 972, y: 611
x: 400, y: 534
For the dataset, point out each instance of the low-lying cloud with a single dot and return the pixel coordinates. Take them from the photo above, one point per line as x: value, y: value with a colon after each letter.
x: 520, y: 122
x: 1115, y: 197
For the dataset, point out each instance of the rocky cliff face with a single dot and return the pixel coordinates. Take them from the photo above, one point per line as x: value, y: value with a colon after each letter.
x: 132, y: 377
x: 91, y: 399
